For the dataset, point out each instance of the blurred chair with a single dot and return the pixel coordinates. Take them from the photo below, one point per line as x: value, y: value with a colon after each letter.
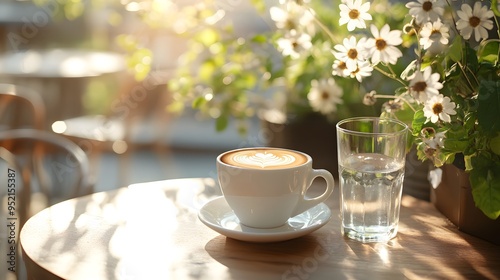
x: 137, y: 118
x: 49, y: 169
x: 21, y: 107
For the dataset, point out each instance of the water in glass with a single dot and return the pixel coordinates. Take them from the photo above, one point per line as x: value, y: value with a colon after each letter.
x: 371, y: 186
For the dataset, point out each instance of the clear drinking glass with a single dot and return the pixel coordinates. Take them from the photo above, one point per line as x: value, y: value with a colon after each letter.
x: 371, y: 157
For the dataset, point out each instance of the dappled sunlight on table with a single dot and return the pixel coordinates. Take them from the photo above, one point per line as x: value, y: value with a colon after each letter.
x: 151, y: 231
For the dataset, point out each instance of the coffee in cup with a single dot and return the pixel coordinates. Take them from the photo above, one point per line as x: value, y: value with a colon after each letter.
x: 264, y: 158
x: 267, y: 186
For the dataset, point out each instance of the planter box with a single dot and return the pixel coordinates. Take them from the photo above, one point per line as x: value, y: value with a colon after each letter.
x: 453, y: 198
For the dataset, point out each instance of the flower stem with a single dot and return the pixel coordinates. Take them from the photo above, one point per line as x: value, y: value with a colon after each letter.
x: 391, y: 75
x: 469, y: 82
x: 395, y: 98
x: 498, y: 34
x: 321, y: 25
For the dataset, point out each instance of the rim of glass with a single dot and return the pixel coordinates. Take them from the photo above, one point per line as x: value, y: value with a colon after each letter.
x: 404, y: 127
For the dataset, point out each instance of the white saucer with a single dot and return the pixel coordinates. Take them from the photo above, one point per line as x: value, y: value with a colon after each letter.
x: 217, y: 215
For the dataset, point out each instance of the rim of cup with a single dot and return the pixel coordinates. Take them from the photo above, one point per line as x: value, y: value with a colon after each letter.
x: 403, y: 129
x: 308, y: 157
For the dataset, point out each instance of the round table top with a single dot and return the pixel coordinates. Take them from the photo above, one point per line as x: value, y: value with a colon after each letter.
x: 60, y: 63
x: 151, y: 231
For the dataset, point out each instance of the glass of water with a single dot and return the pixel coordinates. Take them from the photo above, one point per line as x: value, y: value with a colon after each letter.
x: 371, y: 157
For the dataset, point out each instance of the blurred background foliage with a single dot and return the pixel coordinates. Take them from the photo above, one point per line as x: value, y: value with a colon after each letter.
x: 225, y: 71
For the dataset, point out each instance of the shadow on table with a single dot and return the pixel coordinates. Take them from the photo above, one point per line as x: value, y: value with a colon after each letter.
x: 326, y: 254
x: 279, y: 260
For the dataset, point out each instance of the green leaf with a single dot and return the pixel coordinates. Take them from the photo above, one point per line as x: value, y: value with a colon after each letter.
x: 494, y: 7
x: 456, y: 145
x: 260, y: 38
x: 469, y: 121
x: 221, y: 123
x: 488, y: 103
x: 495, y: 144
x: 489, y: 51
x: 206, y: 70
x: 418, y: 122
x: 485, y: 183
x: 455, y: 49
x: 198, y: 102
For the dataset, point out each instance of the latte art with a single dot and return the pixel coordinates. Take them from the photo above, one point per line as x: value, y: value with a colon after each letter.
x: 264, y: 158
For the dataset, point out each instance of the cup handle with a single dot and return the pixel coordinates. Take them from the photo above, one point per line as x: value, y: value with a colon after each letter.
x: 307, y: 203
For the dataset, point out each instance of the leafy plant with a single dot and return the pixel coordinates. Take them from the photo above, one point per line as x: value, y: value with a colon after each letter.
x: 286, y: 67
x: 435, y: 61
x: 431, y: 63
x: 454, y: 92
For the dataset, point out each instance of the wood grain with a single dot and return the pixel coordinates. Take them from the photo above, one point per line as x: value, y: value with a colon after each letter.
x: 151, y: 231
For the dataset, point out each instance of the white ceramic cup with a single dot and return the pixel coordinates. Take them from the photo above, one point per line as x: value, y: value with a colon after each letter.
x: 271, y: 187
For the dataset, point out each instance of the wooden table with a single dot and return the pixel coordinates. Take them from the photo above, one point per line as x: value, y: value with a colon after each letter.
x: 151, y: 231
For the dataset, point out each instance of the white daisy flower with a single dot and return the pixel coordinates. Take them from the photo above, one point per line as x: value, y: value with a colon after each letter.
x: 363, y: 69
x: 425, y: 84
x: 291, y: 17
x: 434, y: 33
x: 382, y: 47
x: 339, y: 68
x: 475, y: 21
x: 392, y: 106
x: 426, y: 10
x: 294, y: 44
x: 354, y: 13
x: 325, y: 95
x: 436, y: 141
x: 350, y: 52
x: 439, y: 107
x: 370, y: 98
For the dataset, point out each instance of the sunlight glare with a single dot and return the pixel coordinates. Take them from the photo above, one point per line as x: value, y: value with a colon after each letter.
x: 119, y: 147
x: 62, y: 215
x: 74, y: 67
x: 31, y: 62
x: 59, y: 127
x: 383, y: 253
x: 133, y: 7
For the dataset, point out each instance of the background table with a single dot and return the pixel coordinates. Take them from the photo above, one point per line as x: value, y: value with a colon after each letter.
x: 60, y: 75
x: 151, y: 231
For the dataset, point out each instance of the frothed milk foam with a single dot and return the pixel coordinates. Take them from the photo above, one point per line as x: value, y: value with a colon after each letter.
x: 264, y: 158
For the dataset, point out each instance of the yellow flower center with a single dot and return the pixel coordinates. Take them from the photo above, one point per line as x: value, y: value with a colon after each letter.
x: 352, y: 53
x: 437, y: 108
x: 342, y: 65
x: 427, y: 6
x: 290, y: 24
x: 325, y: 95
x: 380, y: 44
x: 354, y: 14
x: 474, y: 21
